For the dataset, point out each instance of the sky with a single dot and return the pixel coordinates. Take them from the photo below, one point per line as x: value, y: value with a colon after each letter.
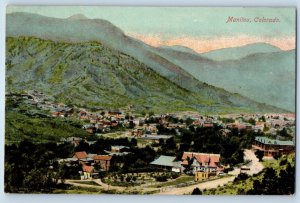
x: 200, y: 28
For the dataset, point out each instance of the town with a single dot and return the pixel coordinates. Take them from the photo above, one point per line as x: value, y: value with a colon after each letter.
x: 148, y: 153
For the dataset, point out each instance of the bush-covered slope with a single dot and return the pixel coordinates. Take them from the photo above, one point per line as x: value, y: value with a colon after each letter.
x: 91, y: 74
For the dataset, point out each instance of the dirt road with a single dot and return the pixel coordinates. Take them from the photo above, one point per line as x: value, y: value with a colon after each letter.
x: 255, y: 166
x: 201, y: 186
x: 104, y: 186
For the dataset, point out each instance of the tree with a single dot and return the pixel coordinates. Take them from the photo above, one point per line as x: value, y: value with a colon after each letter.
x: 263, y: 119
x: 128, y: 179
x: 283, y: 133
x: 189, y: 121
x: 270, y: 182
x: 252, y: 121
x: 170, y: 144
x: 131, y: 125
x: 259, y: 154
x: 287, y: 180
x: 241, y: 176
x: 197, y: 191
x: 277, y: 156
x: 151, y: 113
x: 83, y: 146
x: 133, y: 142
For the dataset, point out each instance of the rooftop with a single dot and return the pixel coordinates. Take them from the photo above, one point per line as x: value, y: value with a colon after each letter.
x: 156, y: 137
x: 80, y: 155
x: 102, y: 157
x: 266, y: 140
x: 211, y: 159
x: 165, y: 161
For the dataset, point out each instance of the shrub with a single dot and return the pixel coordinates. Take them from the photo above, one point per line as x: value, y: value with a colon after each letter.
x: 197, y: 191
x: 174, y: 175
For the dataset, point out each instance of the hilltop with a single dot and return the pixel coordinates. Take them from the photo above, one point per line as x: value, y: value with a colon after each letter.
x: 92, y: 62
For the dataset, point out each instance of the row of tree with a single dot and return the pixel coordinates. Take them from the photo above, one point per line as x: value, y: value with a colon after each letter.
x: 32, y: 168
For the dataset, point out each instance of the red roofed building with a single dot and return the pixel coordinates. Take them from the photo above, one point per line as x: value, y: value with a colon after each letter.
x: 88, y: 172
x: 103, y: 160
x: 202, y: 161
x: 80, y: 155
x: 208, y: 125
x: 203, y: 165
x: 88, y: 169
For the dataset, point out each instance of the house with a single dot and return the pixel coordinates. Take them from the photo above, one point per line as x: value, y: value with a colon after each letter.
x: 201, y: 176
x: 114, y: 113
x: 208, y: 125
x: 88, y: 172
x: 91, y: 129
x: 198, y: 122
x: 203, y: 162
x: 167, y: 163
x: 137, y: 132
x: 259, y: 126
x: 83, y: 157
x: 150, y: 129
x: 272, y: 147
x: 80, y: 155
x: 56, y: 114
x: 103, y: 160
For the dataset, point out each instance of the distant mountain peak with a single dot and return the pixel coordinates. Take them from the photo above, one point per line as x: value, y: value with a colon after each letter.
x: 236, y: 53
x: 180, y: 48
x: 78, y: 16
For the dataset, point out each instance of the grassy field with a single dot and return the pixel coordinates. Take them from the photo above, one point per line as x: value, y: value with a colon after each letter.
x: 24, y: 121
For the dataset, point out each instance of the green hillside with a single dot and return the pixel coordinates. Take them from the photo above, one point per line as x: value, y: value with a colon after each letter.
x: 90, y: 74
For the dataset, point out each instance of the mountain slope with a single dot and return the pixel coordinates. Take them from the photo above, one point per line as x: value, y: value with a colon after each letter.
x: 264, y: 77
x: 92, y: 74
x: 236, y: 53
x: 84, y: 30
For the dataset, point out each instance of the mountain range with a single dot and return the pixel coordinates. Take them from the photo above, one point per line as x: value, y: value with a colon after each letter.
x: 91, y: 62
x: 236, y: 53
x: 265, y: 74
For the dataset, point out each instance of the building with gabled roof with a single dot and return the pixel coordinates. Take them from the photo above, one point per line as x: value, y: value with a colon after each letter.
x: 272, y: 147
x: 167, y: 163
x: 201, y: 161
x: 80, y: 155
x: 88, y: 172
x: 103, y: 160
